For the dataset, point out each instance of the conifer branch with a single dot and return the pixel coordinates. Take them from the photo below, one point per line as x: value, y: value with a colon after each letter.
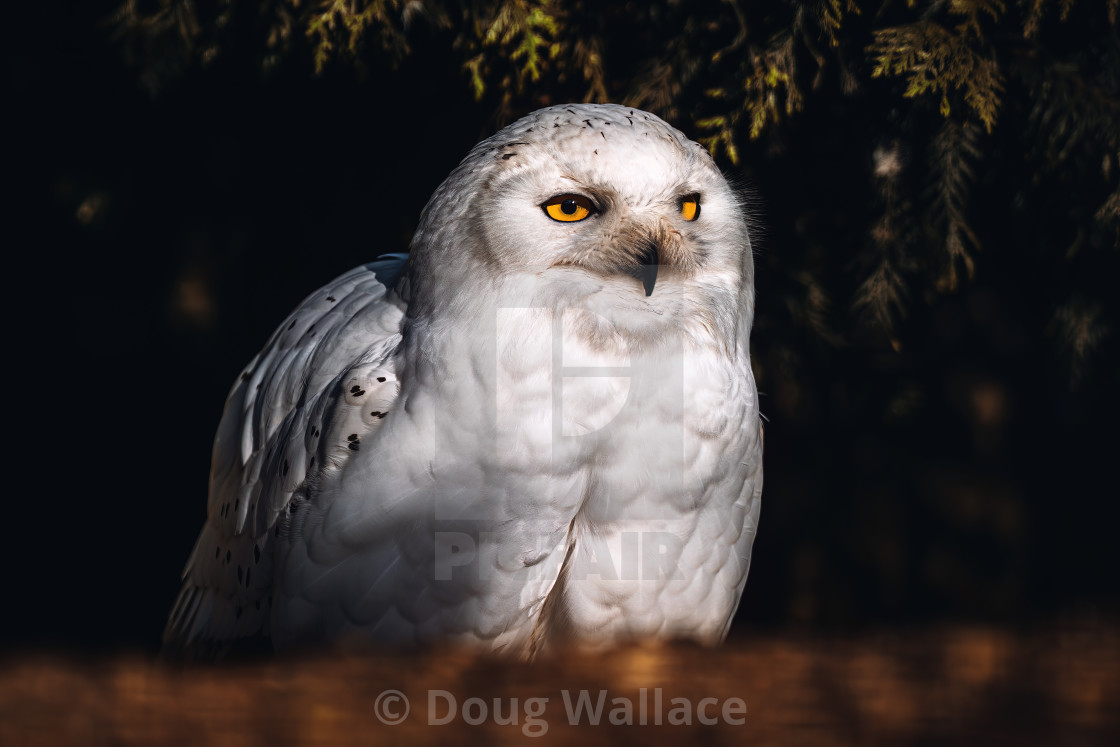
x: 952, y: 154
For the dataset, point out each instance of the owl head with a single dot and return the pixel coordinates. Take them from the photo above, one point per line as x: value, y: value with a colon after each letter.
x: 594, y: 206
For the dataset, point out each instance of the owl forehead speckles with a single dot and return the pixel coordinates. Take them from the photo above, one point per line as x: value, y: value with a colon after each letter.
x: 559, y: 123
x: 618, y: 149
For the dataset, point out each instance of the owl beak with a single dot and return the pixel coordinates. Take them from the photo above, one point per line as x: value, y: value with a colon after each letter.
x: 646, y: 270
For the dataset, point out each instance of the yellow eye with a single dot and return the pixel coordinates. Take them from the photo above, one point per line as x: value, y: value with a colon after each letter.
x: 568, y: 208
x: 690, y: 207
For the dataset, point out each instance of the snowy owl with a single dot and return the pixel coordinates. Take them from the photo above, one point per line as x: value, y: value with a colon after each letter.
x: 538, y: 429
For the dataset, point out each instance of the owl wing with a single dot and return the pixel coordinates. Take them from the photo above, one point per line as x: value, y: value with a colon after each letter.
x: 323, y: 381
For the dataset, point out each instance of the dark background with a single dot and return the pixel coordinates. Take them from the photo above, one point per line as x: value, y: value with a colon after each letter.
x: 960, y: 473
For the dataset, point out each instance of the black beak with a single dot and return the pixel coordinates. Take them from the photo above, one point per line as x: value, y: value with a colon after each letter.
x: 647, y: 269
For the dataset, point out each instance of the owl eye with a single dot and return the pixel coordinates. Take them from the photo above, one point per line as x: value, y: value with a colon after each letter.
x: 690, y: 207
x: 568, y: 208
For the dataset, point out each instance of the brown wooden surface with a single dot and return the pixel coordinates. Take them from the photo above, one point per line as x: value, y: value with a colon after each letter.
x: 1054, y: 686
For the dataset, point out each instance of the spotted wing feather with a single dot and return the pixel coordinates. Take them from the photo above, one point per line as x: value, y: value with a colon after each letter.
x: 322, y: 383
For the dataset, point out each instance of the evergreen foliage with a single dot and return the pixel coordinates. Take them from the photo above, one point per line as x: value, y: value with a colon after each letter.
x: 733, y: 72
